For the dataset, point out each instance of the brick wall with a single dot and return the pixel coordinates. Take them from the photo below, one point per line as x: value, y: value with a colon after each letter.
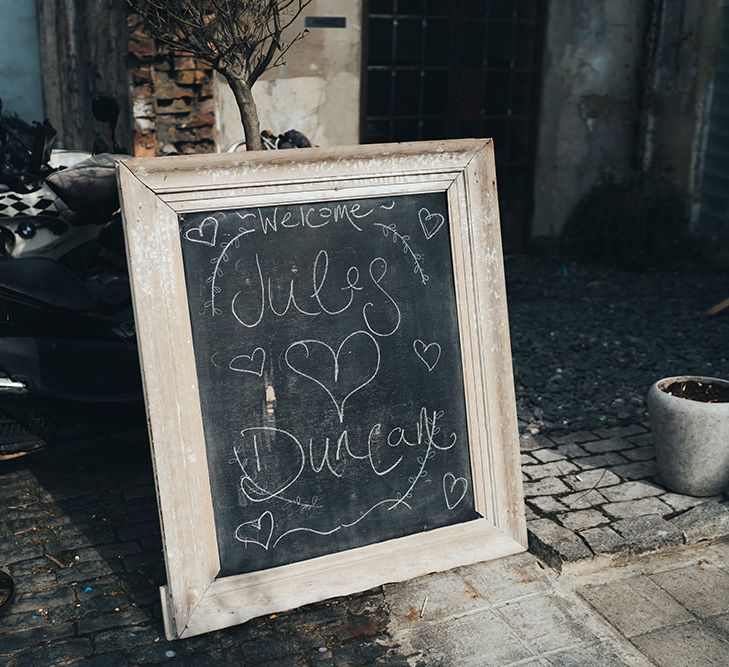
x: 172, y: 98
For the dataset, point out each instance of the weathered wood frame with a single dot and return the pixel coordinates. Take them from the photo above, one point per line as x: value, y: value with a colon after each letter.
x: 153, y: 192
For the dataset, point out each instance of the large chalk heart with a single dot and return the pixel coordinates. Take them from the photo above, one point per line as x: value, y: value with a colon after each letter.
x: 454, y: 489
x: 206, y: 232
x: 341, y: 373
x: 258, y: 532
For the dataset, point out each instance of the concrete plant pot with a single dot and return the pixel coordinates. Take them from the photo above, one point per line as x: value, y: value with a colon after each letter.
x: 691, y: 438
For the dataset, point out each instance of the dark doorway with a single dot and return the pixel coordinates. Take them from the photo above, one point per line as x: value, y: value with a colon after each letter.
x: 435, y: 69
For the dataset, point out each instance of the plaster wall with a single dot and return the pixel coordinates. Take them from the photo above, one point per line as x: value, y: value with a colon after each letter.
x: 21, y: 83
x: 588, y: 117
x: 316, y: 92
x: 685, y: 64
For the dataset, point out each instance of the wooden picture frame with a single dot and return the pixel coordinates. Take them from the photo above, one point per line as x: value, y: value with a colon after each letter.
x: 154, y: 191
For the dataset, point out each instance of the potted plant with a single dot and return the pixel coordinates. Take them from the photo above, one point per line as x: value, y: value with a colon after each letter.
x: 690, y: 421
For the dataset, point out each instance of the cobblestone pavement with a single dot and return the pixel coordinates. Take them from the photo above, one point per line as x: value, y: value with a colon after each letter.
x: 593, y: 497
x: 587, y: 345
x: 80, y: 533
x: 669, y: 611
x: 673, y: 609
x: 80, y: 536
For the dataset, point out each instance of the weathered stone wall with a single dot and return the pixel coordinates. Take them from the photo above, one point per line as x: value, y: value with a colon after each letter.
x: 617, y: 98
x: 686, y: 55
x: 592, y: 59
x: 317, y: 91
x: 173, y: 101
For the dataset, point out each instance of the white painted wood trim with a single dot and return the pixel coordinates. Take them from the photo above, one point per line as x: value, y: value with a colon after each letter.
x: 171, y: 394
x: 154, y: 192
x: 240, y: 598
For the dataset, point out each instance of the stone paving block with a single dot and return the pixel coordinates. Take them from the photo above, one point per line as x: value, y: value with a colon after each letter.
x: 16, y: 549
x: 577, y: 437
x: 681, y: 503
x: 32, y: 567
x: 91, y: 604
x: 504, y: 579
x: 632, y: 491
x: 589, y: 655
x: 37, y: 582
x: 642, y: 440
x: 648, y: 533
x: 46, y: 600
x: 544, y: 487
x: 447, y: 594
x: 633, y: 508
x: 11, y: 642
x: 621, y: 431
x: 546, y: 504
x: 583, y: 499
x: 55, y: 653
x: 600, y: 460
x: 572, y: 450
x: 526, y: 460
x: 132, y: 616
x: 126, y: 637
x: 609, y: 445
x: 529, y: 442
x: 688, y: 644
x: 581, y: 519
x: 707, y: 521
x: 720, y: 625
x: 544, y: 623
x: 635, y: 470
x: 604, y: 540
x: 547, y: 455
x: 88, y: 571
x: 22, y: 621
x: 636, y: 605
x: 553, y: 469
x: 591, y: 479
x: 639, y: 453
x: 476, y: 640
x: 555, y: 544
x: 703, y: 589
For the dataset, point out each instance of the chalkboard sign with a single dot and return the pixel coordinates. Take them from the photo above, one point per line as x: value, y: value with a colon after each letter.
x: 324, y: 344
x: 329, y: 366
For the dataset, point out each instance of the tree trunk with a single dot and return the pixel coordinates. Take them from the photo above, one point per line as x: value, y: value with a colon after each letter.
x: 248, y: 112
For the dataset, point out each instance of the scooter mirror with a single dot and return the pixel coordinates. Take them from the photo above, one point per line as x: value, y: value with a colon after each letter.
x: 105, y: 108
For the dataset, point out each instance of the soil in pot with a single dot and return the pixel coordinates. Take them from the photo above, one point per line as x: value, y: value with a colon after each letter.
x: 705, y: 392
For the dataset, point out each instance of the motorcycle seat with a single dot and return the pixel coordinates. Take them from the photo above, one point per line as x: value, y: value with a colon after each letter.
x: 47, y: 281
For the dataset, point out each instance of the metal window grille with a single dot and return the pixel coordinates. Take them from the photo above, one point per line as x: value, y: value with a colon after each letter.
x: 436, y: 69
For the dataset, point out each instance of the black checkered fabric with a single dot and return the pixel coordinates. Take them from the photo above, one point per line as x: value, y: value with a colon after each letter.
x: 40, y: 202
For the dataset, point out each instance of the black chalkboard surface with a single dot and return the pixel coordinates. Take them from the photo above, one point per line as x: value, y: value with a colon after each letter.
x: 328, y: 359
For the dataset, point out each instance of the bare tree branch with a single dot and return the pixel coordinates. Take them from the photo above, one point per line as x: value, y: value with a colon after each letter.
x: 241, y: 39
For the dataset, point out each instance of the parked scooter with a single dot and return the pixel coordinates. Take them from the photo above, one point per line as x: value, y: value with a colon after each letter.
x: 66, y: 322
